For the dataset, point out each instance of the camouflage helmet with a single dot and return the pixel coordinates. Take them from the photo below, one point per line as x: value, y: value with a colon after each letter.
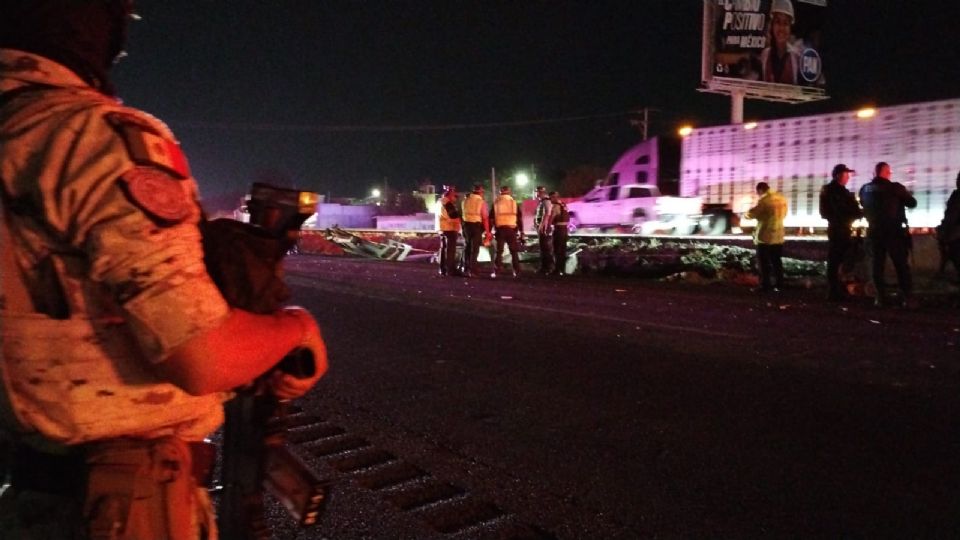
x: 87, y: 36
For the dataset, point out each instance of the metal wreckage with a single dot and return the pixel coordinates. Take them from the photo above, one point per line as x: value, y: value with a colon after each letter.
x: 644, y: 257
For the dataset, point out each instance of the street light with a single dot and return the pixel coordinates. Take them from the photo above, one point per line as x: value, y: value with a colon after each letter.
x: 521, y: 179
x: 375, y: 193
x: 685, y: 131
x: 866, y: 112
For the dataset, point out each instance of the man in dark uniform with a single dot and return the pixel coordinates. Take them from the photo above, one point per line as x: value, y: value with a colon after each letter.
x: 948, y: 232
x: 541, y: 222
x: 559, y: 220
x: 840, y: 208
x: 884, y: 205
x: 118, y: 349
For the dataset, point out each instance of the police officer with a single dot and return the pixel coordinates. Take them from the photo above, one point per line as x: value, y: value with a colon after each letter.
x: 558, y: 225
x: 948, y: 232
x: 542, y: 223
x: 508, y: 220
x: 449, y: 231
x: 118, y: 349
x: 476, y: 228
x: 840, y: 208
x: 884, y: 205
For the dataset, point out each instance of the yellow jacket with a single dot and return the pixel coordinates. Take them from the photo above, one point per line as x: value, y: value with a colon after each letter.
x: 769, y: 213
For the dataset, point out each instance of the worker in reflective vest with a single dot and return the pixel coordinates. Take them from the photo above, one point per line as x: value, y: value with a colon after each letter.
x: 476, y: 228
x: 449, y: 231
x: 508, y: 221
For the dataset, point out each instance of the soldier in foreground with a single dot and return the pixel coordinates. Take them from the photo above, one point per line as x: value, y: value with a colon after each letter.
x: 117, y: 348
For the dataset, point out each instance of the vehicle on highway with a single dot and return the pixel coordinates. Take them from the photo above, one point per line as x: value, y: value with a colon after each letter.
x: 720, y: 166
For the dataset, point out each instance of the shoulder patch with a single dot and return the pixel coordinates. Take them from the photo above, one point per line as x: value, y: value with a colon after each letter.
x: 158, y: 194
x: 148, y: 147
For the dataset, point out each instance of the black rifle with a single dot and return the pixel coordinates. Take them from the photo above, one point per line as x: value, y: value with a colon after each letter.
x: 244, y: 261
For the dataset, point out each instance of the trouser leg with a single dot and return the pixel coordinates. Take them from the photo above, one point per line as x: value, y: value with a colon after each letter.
x: 764, y: 265
x: 448, y: 255
x: 513, y: 243
x: 899, y: 251
x: 500, y: 237
x: 953, y: 252
x: 507, y: 237
x: 560, y: 249
x: 836, y: 252
x: 546, y: 252
x: 473, y: 235
x: 776, y: 262
x: 878, y: 256
x: 443, y: 253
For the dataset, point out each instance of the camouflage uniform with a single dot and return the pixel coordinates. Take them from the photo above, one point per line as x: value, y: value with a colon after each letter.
x: 102, y: 276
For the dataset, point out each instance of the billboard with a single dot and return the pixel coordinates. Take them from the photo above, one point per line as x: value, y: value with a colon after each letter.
x: 765, y: 43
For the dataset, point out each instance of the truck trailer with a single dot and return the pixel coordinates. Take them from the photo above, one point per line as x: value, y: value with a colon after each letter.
x: 921, y: 141
x: 720, y: 167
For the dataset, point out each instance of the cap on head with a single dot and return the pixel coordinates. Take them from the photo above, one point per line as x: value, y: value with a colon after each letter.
x: 541, y: 188
x: 504, y: 189
x: 783, y: 6
x: 839, y: 169
x: 478, y: 187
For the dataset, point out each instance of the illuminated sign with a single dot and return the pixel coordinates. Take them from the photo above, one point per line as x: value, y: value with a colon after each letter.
x: 767, y: 41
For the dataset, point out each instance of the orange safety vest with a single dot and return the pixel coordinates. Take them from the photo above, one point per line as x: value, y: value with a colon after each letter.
x: 447, y: 223
x: 473, y: 209
x: 505, y: 211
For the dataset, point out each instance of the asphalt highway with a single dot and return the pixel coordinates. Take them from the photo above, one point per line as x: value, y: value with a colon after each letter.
x: 582, y: 407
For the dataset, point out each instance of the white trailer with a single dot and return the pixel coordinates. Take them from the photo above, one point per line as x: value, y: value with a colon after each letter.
x: 920, y: 141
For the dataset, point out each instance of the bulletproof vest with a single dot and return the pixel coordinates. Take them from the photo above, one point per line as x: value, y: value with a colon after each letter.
x: 541, y: 210
x: 564, y: 215
x: 82, y: 378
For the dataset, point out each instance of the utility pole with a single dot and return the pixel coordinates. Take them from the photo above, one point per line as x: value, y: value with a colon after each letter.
x: 643, y: 124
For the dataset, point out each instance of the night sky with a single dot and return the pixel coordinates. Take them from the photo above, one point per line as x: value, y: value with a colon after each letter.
x: 332, y: 95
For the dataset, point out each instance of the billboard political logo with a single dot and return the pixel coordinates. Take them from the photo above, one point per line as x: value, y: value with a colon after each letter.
x: 810, y: 65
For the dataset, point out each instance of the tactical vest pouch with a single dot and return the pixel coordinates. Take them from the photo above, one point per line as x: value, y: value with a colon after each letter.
x: 81, y: 380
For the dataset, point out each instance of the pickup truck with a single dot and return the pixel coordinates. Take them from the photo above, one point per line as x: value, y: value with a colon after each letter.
x: 637, y: 207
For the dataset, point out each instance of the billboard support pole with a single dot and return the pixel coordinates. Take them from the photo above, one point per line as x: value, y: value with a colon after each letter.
x: 736, y: 105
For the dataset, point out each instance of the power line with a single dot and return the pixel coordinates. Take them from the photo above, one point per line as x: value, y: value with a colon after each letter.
x: 383, y: 128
